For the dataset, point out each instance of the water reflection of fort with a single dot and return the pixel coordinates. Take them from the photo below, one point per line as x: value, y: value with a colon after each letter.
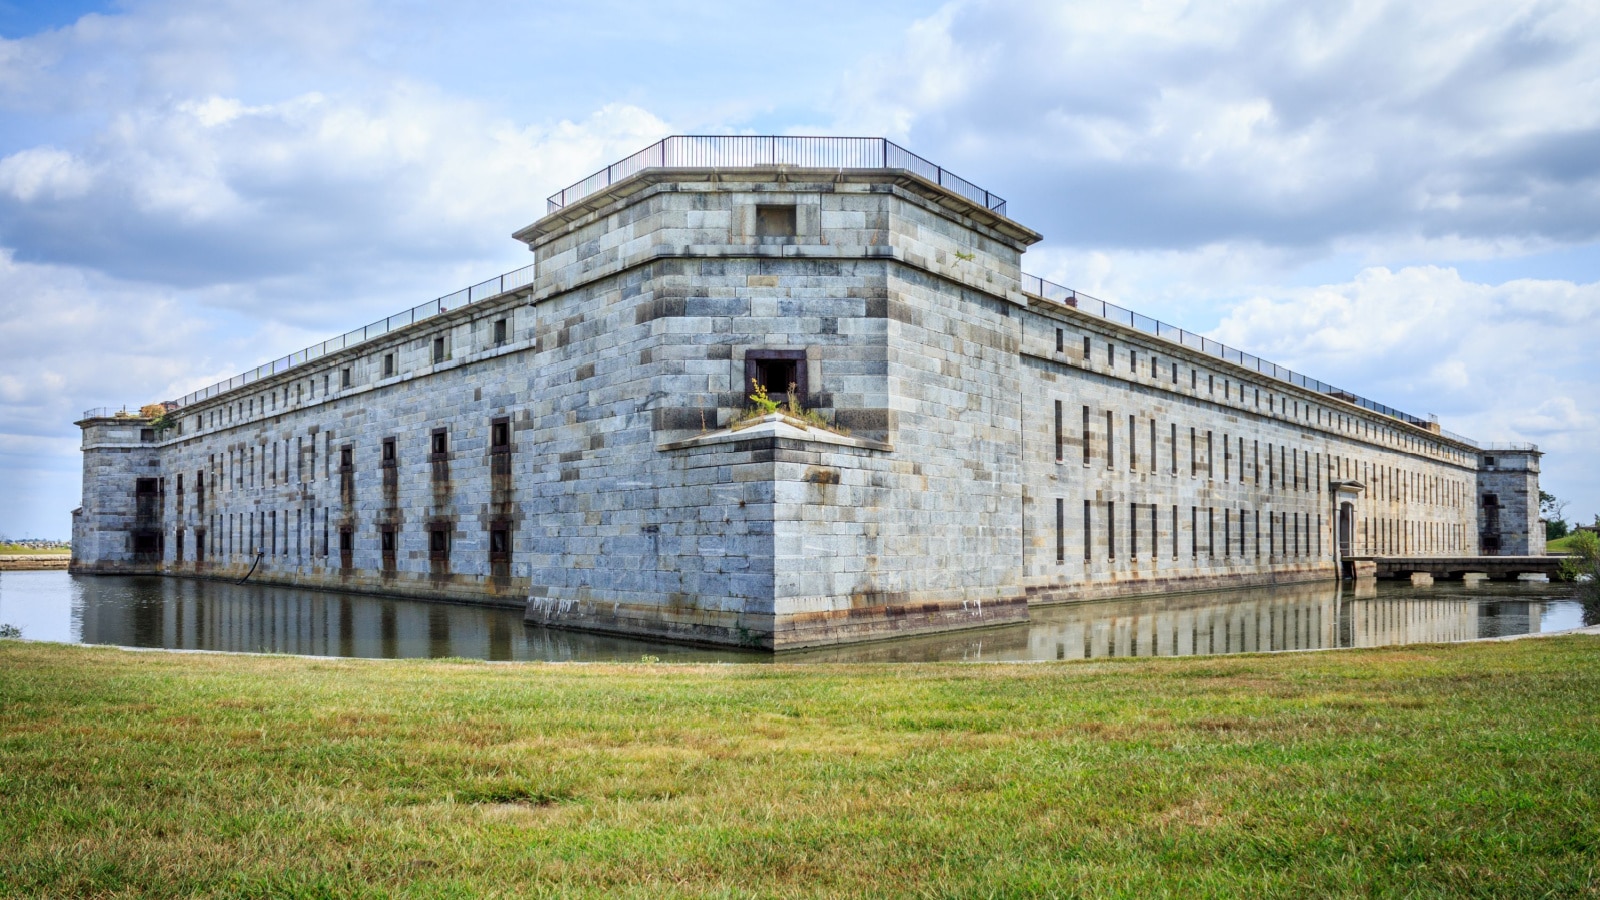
x: 197, y: 615
x: 1290, y: 617
x: 1312, y: 617
x: 187, y: 614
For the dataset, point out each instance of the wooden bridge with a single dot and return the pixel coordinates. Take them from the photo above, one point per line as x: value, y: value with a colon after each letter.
x: 1498, y: 568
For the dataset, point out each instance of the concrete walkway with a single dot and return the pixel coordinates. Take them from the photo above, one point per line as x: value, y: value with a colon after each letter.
x: 28, y: 562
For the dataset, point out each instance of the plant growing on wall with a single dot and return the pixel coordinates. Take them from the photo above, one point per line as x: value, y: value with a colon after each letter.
x: 793, y: 409
x: 161, y: 418
x: 765, y: 406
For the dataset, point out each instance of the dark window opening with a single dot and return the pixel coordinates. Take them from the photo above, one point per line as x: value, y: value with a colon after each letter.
x: 344, y: 377
x: 500, y: 549
x: 777, y: 371
x: 1059, y: 435
x: 388, y: 364
x: 775, y: 221
x: 438, y: 541
x: 1061, y: 531
x: 347, y: 458
x: 146, y: 545
x: 388, y: 453
x: 500, y: 330
x: 500, y: 435
x: 440, y: 445
x: 438, y: 349
x: 1088, y: 536
x: 346, y: 547
x: 387, y: 542
x: 148, y: 435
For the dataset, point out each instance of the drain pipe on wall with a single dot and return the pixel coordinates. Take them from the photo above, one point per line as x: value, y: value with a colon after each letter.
x: 253, y: 565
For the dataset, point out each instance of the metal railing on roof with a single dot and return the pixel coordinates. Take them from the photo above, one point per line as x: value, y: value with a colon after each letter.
x: 1039, y: 287
x: 112, y: 412
x: 483, y: 290
x: 684, y: 151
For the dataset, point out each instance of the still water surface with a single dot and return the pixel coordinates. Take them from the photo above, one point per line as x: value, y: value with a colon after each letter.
x: 178, y: 613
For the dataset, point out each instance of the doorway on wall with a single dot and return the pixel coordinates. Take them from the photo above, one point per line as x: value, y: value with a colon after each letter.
x: 1489, y: 538
x: 1347, y: 521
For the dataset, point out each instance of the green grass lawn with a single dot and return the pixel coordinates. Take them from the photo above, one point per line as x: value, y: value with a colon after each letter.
x: 1561, y: 545
x: 1459, y: 771
x: 19, y: 550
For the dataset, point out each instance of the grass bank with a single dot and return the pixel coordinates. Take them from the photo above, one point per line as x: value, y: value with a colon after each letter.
x: 24, y: 550
x: 1562, y: 544
x: 1459, y: 771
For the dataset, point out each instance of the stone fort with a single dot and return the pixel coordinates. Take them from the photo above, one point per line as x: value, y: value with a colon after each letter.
x: 957, y: 440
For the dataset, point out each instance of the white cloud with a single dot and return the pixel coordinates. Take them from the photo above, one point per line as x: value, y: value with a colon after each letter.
x: 209, y: 191
x: 44, y: 173
x: 1506, y: 362
x: 1176, y: 125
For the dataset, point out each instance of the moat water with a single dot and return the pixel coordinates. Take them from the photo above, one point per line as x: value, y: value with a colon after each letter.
x: 175, y: 613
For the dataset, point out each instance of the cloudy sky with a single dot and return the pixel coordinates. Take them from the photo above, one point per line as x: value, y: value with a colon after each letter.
x: 1400, y: 198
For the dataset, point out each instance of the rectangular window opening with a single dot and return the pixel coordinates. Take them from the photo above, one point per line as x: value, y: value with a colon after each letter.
x: 1061, y: 530
x: 774, y: 221
x: 778, y: 371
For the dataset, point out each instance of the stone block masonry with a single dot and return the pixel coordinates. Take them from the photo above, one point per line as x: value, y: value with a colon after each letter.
x: 571, y: 446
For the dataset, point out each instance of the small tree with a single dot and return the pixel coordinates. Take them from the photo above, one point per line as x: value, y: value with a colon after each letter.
x: 1583, y: 565
x: 1553, y: 510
